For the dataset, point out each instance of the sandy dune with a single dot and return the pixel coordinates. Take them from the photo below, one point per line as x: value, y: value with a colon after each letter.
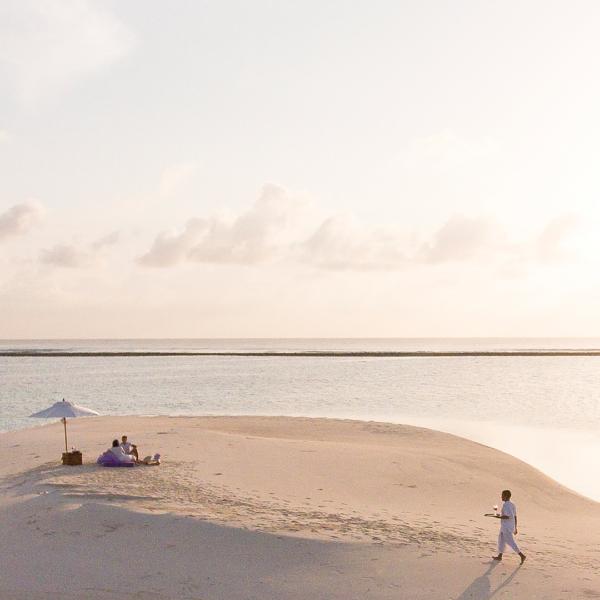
x: 282, y: 508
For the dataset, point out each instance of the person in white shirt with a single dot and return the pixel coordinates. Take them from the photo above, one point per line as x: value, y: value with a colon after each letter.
x: 129, y: 448
x: 117, y: 450
x: 508, y: 527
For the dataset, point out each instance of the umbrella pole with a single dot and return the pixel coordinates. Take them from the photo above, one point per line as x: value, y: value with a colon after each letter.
x: 64, y: 420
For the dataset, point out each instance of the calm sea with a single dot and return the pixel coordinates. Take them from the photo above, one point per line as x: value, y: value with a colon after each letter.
x: 542, y: 409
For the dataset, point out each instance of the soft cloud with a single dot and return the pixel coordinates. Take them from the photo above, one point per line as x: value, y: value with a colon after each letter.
x: 259, y: 234
x: 19, y: 219
x: 75, y: 256
x: 460, y: 238
x: 341, y: 243
x: 45, y: 43
x: 445, y: 150
x: 171, y: 248
x: 67, y: 255
x: 107, y: 240
x: 549, y: 248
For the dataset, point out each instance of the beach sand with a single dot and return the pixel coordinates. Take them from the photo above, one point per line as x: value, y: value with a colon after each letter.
x: 282, y: 508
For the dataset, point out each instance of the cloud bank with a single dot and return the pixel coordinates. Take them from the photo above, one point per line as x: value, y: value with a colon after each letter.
x: 284, y: 226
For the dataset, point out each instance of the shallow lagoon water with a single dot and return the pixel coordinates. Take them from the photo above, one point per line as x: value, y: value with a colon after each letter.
x: 542, y: 409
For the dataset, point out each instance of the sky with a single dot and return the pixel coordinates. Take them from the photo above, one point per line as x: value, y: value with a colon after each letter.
x: 257, y: 168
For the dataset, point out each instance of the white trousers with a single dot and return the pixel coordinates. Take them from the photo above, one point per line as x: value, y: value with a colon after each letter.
x: 504, y: 538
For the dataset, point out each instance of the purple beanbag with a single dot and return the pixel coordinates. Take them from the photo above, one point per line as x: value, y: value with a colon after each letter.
x: 108, y: 459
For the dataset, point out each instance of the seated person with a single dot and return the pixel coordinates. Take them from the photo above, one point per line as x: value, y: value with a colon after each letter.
x: 129, y: 448
x: 117, y: 450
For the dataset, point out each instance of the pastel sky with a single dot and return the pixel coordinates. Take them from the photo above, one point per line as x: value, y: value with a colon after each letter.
x: 196, y: 168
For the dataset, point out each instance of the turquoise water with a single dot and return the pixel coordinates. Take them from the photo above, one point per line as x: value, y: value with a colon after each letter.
x: 542, y: 409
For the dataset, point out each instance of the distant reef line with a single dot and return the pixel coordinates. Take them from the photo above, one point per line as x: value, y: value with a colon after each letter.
x: 318, y: 353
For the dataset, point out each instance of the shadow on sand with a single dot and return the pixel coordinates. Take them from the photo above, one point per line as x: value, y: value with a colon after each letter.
x: 481, y: 588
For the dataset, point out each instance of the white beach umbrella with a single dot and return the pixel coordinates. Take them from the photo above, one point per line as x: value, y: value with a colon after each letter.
x: 62, y: 410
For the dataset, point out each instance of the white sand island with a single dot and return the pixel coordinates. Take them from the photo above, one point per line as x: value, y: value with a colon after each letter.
x: 282, y: 508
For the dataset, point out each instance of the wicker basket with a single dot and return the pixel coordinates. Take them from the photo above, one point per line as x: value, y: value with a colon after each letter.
x: 72, y: 458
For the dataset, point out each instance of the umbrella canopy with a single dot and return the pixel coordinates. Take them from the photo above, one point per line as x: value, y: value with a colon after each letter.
x: 62, y: 410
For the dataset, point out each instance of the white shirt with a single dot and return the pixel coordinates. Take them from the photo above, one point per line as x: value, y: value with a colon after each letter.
x: 126, y: 447
x: 508, y: 510
x: 118, y: 452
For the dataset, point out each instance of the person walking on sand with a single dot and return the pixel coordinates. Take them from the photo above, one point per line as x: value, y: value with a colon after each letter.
x: 508, y: 527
